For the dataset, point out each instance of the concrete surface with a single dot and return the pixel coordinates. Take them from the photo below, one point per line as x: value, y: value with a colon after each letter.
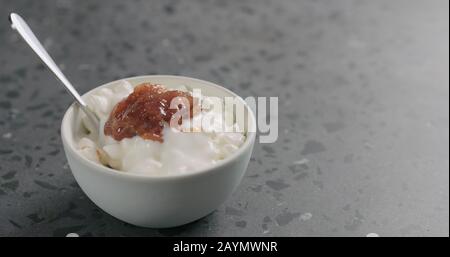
x: 363, y: 89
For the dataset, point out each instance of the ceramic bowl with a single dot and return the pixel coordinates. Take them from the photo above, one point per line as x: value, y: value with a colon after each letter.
x: 159, y: 201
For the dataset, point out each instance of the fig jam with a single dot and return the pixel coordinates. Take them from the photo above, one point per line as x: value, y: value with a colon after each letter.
x: 145, y: 112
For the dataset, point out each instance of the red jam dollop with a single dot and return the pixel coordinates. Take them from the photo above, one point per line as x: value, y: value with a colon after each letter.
x: 145, y: 111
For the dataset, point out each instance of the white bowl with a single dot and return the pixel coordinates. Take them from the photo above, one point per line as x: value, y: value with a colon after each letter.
x: 159, y: 201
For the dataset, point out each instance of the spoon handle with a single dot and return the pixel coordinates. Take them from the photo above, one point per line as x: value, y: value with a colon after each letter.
x: 24, y: 30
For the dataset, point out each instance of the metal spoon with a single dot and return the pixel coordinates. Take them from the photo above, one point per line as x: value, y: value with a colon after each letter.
x: 24, y: 30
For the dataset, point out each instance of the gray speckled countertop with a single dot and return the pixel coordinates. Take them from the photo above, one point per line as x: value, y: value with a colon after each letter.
x: 364, y: 95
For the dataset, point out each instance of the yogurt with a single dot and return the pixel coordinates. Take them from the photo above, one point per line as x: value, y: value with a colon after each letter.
x: 179, y: 152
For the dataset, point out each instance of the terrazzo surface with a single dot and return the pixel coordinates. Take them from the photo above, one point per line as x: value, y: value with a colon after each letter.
x: 363, y: 91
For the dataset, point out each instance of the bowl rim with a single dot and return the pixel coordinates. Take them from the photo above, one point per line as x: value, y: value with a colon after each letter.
x: 247, y: 145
